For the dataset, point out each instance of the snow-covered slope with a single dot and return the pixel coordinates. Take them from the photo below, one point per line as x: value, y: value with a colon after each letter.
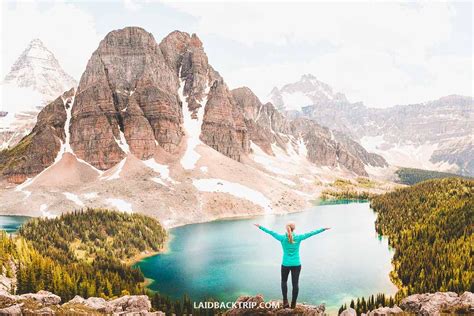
x: 35, y: 79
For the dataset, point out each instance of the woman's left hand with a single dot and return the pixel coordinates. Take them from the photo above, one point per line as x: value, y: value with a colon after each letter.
x: 257, y: 225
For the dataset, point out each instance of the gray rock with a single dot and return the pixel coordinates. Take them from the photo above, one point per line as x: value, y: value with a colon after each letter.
x: 130, y: 303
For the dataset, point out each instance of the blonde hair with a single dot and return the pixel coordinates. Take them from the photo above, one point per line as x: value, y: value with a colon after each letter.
x: 290, y: 227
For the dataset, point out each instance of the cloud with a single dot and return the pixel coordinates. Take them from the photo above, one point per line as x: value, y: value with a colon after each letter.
x: 382, y: 51
x: 66, y: 30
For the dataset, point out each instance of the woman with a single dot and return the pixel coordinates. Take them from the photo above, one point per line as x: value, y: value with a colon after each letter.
x: 290, y: 243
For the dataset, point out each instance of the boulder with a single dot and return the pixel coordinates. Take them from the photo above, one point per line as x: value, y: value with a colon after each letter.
x: 349, y: 312
x: 256, y: 305
x: 14, y: 310
x: 45, y: 298
x: 45, y: 311
x: 437, y: 303
x: 384, y: 311
x: 130, y: 303
x: 95, y: 303
x: 7, y: 299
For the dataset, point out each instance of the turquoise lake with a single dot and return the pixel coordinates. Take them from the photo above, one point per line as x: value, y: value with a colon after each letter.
x: 11, y: 223
x: 228, y: 258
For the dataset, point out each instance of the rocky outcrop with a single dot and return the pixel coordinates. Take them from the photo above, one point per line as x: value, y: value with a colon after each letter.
x: 126, y: 99
x: 348, y: 312
x: 357, y: 150
x: 38, y: 149
x: 267, y: 126
x: 46, y: 303
x: 256, y: 305
x: 223, y: 125
x: 222, y: 122
x: 428, y: 304
x: 264, y: 123
x: 438, y: 303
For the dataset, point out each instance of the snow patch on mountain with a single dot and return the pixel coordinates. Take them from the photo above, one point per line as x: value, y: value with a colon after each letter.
x: 236, y: 189
x: 122, y: 142
x: 74, y: 198
x: 120, y: 205
x: 295, y: 101
x: 117, y: 169
x: 163, y: 170
x: 406, y: 154
x: 192, y: 125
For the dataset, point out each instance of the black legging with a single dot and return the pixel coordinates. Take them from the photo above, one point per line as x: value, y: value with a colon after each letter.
x: 295, y: 276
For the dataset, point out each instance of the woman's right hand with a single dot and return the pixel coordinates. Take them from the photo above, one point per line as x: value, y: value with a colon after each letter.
x: 257, y: 225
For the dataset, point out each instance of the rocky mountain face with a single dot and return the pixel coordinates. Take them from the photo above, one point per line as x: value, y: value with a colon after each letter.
x: 137, y: 96
x: 432, y: 135
x: 38, y: 149
x: 128, y: 99
x: 267, y: 125
x: 35, y: 79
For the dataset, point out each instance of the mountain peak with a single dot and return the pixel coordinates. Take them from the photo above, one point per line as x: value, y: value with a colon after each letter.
x: 307, y: 91
x: 37, y: 68
x: 36, y: 42
x: 308, y: 77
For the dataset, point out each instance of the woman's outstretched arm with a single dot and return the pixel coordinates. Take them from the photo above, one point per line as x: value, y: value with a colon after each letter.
x: 270, y: 232
x: 312, y: 233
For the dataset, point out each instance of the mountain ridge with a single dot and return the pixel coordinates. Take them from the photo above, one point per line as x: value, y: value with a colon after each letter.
x: 434, y: 135
x: 157, y: 118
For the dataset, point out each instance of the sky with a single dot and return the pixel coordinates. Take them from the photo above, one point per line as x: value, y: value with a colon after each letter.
x: 380, y: 53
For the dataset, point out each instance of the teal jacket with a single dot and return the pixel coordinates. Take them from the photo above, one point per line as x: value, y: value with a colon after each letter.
x: 291, y: 251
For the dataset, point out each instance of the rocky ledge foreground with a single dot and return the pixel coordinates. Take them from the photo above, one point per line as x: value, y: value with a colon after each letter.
x: 47, y: 303
x: 418, y: 304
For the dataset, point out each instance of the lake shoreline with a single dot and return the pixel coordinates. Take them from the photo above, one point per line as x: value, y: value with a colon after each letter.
x: 209, y: 239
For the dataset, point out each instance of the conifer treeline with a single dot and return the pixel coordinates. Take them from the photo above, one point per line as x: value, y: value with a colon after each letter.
x: 80, y: 253
x: 431, y: 226
x: 363, y: 305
